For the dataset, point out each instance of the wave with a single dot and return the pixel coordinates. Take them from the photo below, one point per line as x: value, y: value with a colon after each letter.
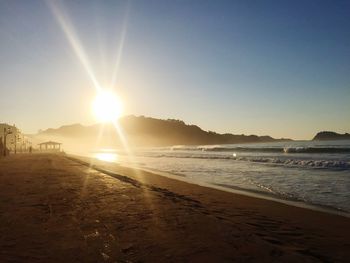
x: 316, y: 150
x: 334, y: 150
x: 326, y: 164
x: 280, y: 161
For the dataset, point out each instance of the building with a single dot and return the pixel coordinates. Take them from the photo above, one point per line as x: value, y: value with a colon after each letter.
x: 15, y: 140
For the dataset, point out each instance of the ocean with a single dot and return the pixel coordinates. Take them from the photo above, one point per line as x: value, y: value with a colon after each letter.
x: 312, y: 172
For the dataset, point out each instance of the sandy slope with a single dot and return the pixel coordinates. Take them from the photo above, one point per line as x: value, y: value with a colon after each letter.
x: 54, y: 209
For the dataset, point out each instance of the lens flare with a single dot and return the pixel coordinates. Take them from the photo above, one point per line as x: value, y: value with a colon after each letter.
x: 69, y: 32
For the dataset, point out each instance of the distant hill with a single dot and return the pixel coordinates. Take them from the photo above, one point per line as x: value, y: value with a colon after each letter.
x: 144, y: 131
x: 328, y: 136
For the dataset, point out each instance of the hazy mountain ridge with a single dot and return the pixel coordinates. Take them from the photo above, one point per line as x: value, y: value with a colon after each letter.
x: 145, y: 131
x: 329, y: 135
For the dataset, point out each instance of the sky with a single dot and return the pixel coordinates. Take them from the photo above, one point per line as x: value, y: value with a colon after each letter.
x: 279, y: 68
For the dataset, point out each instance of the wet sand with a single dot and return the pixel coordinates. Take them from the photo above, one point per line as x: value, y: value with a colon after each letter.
x: 55, y: 208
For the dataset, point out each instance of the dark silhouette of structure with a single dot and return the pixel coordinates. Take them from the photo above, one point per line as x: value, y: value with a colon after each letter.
x: 7, y: 131
x: 50, y: 146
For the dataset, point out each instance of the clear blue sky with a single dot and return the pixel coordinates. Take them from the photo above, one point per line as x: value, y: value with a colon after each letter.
x: 280, y: 68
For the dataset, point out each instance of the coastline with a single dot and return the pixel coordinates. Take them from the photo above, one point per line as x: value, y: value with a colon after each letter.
x: 229, y: 189
x: 55, y: 208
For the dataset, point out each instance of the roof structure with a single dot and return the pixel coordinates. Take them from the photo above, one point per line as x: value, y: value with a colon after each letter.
x: 50, y: 146
x: 50, y: 143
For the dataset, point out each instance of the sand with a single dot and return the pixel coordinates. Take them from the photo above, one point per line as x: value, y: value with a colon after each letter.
x: 54, y: 208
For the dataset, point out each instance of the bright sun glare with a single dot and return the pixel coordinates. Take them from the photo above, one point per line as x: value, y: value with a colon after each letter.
x: 107, y: 107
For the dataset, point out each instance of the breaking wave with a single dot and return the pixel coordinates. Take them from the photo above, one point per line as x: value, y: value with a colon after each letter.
x: 334, y: 150
x: 289, y: 162
x: 316, y: 150
x: 326, y: 164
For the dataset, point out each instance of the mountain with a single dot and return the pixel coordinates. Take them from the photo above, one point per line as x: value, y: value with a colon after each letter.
x: 328, y: 136
x: 145, y: 131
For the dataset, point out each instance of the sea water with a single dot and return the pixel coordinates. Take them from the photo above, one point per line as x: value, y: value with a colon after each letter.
x: 314, y: 172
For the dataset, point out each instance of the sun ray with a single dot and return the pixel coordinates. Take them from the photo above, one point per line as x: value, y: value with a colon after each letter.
x: 121, y: 46
x: 98, y: 140
x: 69, y: 32
x: 131, y: 161
x: 73, y: 40
x: 123, y: 140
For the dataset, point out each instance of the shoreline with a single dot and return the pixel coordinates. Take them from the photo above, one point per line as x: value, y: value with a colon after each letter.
x: 252, y: 193
x: 232, y: 189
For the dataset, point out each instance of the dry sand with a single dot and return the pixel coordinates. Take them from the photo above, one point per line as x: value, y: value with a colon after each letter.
x: 54, y: 208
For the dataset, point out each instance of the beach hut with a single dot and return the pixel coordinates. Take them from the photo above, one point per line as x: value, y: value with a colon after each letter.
x: 50, y: 146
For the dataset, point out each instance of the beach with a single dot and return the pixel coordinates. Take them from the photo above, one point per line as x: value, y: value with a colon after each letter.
x: 56, y: 207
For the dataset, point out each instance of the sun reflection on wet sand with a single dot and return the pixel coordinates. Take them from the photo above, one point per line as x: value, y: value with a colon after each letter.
x: 107, y: 157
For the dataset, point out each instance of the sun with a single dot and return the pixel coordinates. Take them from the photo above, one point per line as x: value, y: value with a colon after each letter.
x: 106, y: 106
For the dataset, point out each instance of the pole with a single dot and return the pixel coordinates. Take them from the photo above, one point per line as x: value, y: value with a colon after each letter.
x: 4, y: 153
x: 3, y: 150
x: 17, y: 138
